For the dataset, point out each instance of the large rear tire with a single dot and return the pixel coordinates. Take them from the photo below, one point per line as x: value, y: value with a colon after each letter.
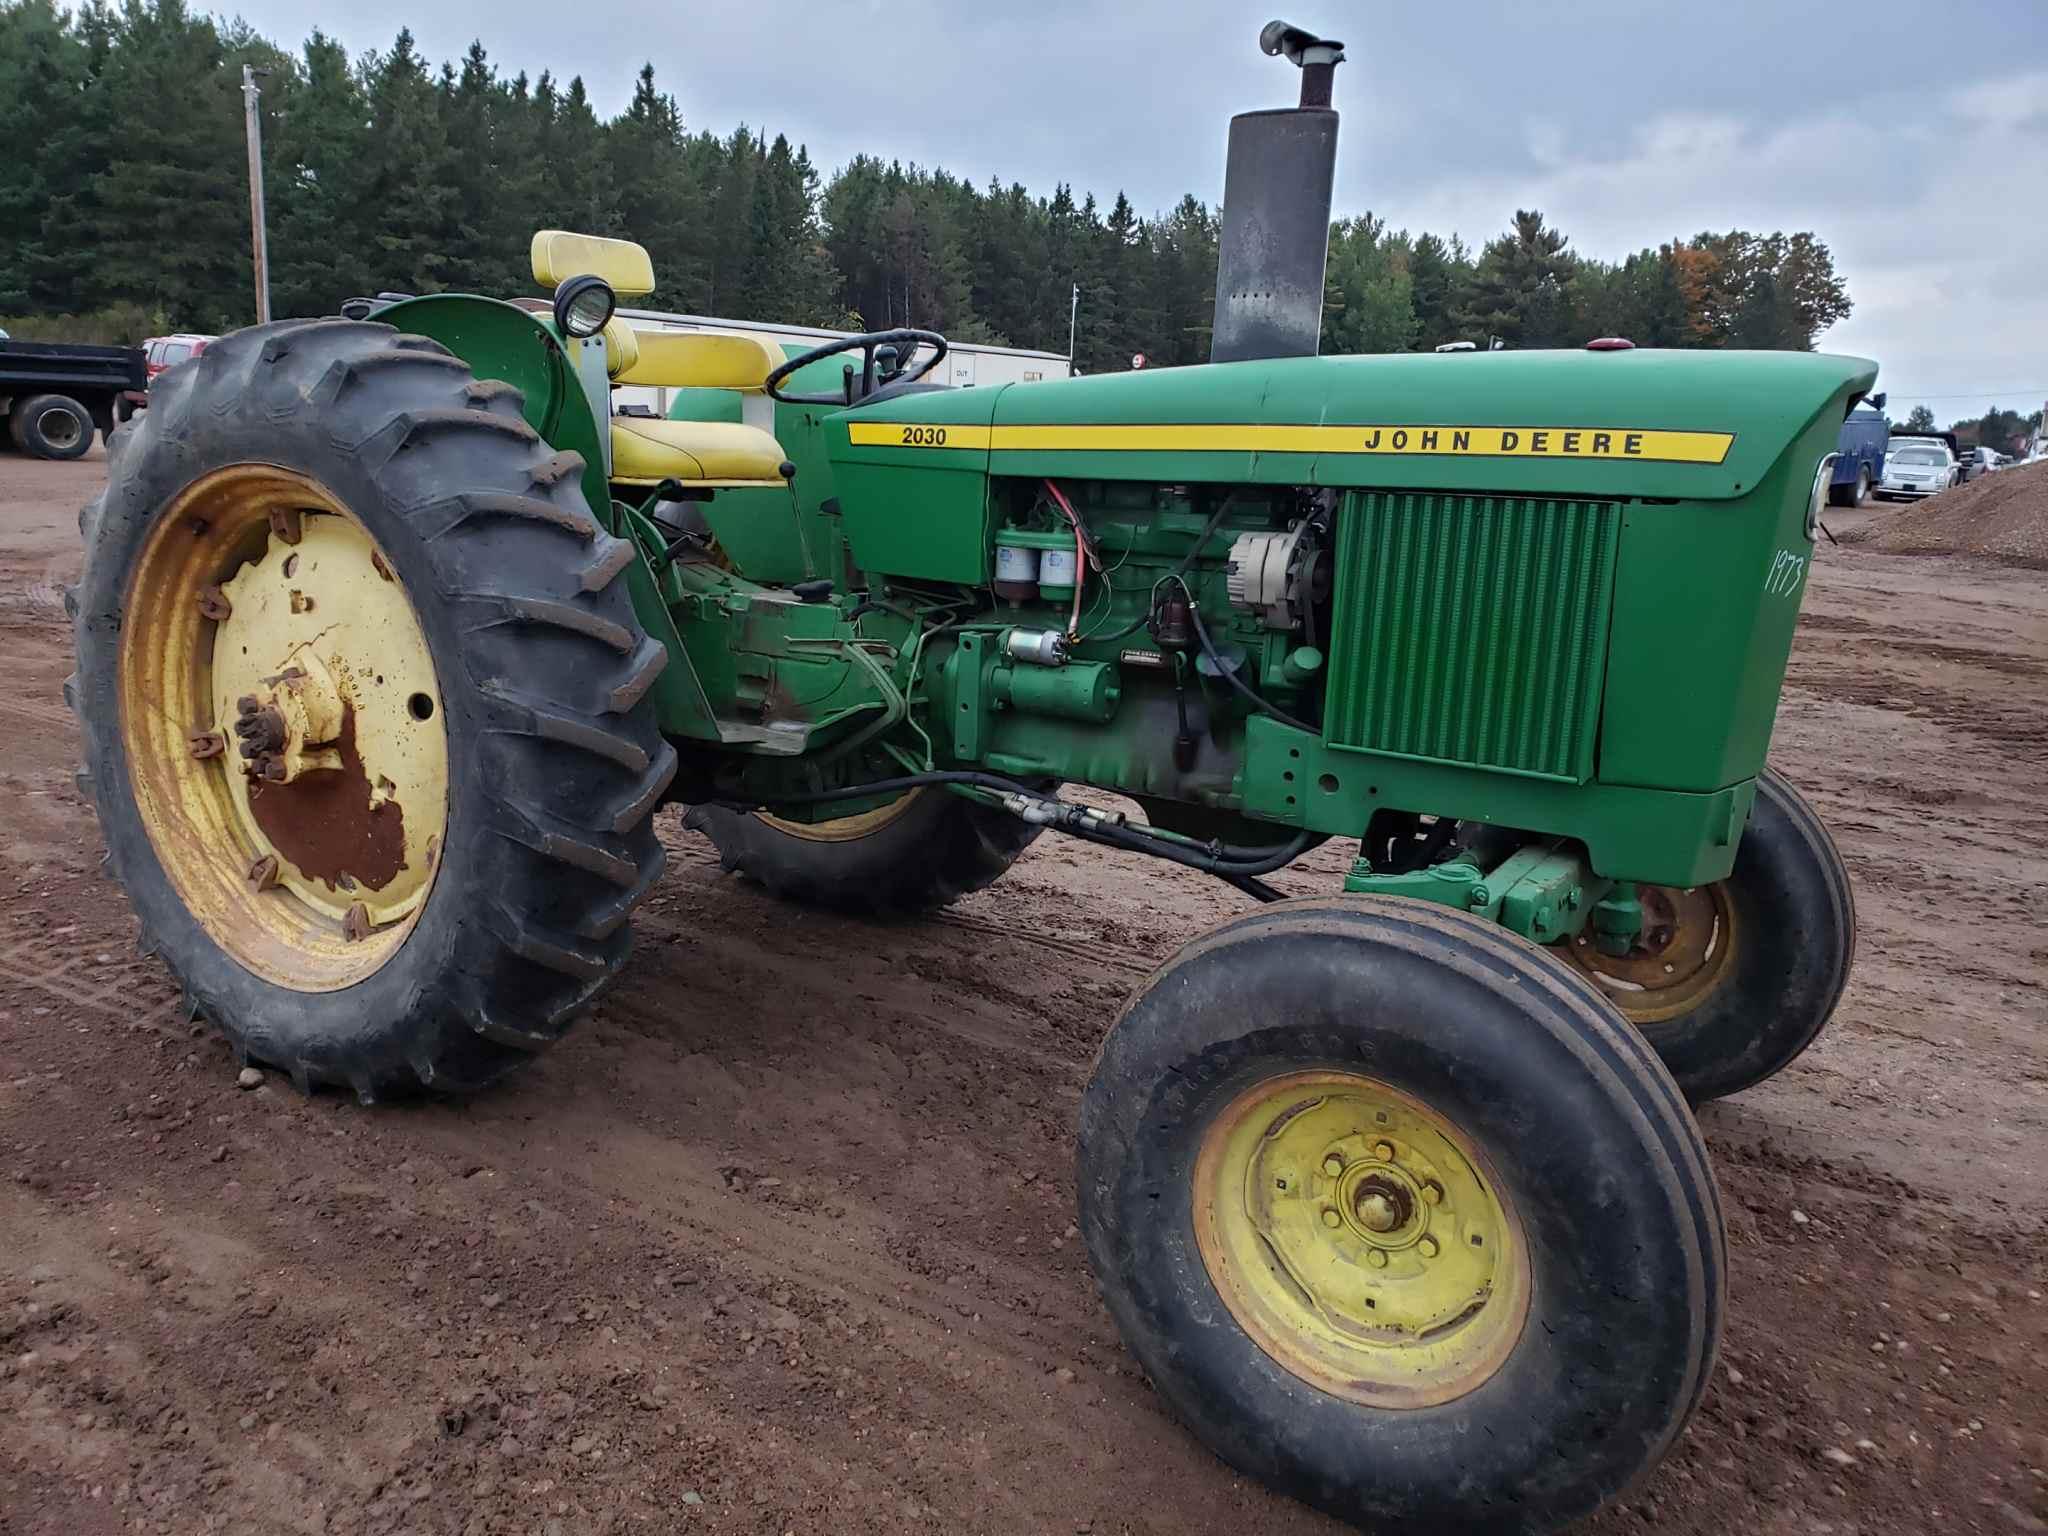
x: 1734, y: 980
x: 351, y: 519
x: 51, y: 427
x: 1401, y: 1218
x: 920, y: 852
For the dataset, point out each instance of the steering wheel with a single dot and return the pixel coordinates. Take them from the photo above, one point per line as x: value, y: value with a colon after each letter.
x: 884, y: 360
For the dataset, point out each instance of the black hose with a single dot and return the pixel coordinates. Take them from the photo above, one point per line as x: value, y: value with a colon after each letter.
x: 1258, y: 890
x: 1229, y: 674
x: 1229, y: 863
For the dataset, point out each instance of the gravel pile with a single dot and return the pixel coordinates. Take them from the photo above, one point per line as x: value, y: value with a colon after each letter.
x: 2001, y: 516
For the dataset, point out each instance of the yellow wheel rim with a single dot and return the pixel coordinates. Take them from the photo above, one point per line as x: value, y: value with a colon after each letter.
x: 1360, y: 1239
x: 845, y: 829
x: 284, y: 728
x: 1686, y: 950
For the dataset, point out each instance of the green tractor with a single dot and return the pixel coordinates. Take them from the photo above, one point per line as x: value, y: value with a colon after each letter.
x: 392, y: 639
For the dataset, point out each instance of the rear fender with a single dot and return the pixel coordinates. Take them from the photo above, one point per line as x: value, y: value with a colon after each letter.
x: 502, y: 341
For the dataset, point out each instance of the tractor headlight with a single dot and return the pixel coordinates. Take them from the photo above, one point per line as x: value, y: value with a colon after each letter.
x: 1823, y: 477
x: 584, y: 305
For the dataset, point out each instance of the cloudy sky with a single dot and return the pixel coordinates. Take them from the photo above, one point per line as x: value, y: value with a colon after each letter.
x: 1911, y: 137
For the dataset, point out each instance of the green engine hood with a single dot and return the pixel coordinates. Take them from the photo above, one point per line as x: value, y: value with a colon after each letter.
x: 1691, y: 425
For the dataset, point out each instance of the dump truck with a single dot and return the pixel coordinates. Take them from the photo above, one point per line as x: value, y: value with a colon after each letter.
x: 393, y: 639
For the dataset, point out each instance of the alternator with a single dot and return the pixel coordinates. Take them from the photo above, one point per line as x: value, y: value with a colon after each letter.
x: 1268, y: 573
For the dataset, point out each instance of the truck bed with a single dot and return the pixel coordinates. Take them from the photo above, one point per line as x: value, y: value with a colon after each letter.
x: 89, y: 375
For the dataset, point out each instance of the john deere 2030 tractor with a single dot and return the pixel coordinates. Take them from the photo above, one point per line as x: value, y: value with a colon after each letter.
x: 393, y: 638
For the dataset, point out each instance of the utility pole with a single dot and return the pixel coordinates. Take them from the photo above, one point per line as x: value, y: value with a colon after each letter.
x: 259, y: 240
x: 1073, y: 320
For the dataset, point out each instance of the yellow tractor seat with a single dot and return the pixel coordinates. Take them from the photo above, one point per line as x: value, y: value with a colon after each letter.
x: 559, y: 255
x: 621, y: 348
x: 647, y: 450
x: 701, y: 360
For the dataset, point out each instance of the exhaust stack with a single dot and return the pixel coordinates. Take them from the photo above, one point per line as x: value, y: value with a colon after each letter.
x: 1277, y: 182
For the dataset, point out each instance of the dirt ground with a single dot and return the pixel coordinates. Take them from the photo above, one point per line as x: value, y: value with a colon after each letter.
x: 781, y: 1240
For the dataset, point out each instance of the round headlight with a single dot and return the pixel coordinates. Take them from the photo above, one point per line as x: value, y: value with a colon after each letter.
x: 584, y: 305
x: 1822, y: 479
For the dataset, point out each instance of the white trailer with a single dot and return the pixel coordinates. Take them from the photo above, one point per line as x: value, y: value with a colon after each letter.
x: 967, y: 364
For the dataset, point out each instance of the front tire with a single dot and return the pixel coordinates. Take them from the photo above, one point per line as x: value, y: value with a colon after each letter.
x: 1401, y: 1219
x: 1746, y: 972
x: 448, y: 882
x: 918, y: 853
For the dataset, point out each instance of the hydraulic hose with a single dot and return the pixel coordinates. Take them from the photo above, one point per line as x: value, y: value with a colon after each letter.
x: 1236, y: 866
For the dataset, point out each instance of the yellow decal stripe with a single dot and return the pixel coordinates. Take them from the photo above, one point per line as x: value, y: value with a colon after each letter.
x: 899, y: 434
x: 1621, y: 443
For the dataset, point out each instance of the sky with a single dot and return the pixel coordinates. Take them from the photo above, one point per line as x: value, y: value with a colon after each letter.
x: 1911, y: 137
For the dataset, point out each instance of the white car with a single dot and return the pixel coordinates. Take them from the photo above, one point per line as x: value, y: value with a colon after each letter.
x: 1917, y: 466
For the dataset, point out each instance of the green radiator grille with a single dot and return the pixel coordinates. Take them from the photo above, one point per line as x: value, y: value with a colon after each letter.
x: 1472, y: 629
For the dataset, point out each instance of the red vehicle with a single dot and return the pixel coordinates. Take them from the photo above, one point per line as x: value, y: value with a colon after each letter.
x: 161, y: 352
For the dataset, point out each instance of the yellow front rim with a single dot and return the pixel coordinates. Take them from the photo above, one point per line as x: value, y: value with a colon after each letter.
x: 845, y: 829
x: 1686, y: 950
x: 284, y: 727
x: 1360, y: 1239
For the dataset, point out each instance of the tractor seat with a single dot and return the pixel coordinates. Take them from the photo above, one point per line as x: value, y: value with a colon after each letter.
x: 648, y: 450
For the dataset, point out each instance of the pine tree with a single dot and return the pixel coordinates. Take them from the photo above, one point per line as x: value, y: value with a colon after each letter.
x: 45, y: 71
x: 313, y: 168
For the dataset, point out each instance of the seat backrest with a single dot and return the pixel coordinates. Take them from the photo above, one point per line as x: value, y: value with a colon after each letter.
x: 702, y: 360
x: 621, y: 349
x: 559, y: 254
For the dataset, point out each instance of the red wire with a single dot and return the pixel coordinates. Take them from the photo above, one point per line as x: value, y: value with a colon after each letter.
x: 1080, y: 556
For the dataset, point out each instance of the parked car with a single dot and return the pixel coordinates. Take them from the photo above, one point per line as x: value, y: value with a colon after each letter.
x: 1980, y: 461
x: 161, y: 352
x: 54, y: 396
x: 1859, y: 461
x: 1918, y: 466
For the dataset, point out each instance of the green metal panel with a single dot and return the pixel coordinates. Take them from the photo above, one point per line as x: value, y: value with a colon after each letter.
x: 778, y: 535
x: 1472, y: 629
x: 919, y: 512
x: 1662, y: 836
x: 1584, y: 423
x: 1706, y: 599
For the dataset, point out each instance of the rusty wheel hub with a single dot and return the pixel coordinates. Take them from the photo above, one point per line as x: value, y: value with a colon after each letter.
x: 286, y: 739
x: 1686, y: 949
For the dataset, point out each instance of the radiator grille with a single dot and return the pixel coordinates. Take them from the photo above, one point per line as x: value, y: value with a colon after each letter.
x: 1472, y: 629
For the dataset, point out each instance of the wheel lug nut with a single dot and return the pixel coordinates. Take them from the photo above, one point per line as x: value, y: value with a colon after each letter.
x: 1433, y: 1192
x: 1330, y: 1216
x: 1428, y: 1246
x: 1333, y: 1165
x: 1383, y: 1150
x: 1376, y: 1257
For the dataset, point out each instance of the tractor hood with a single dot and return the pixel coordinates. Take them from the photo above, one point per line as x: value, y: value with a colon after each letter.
x: 1692, y: 425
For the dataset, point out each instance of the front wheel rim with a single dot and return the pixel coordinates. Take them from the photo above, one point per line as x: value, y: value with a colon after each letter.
x: 1684, y: 954
x: 1360, y: 1239
x: 283, y: 721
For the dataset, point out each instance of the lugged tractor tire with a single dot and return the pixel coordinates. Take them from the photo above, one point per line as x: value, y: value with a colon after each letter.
x: 1779, y: 964
x: 1401, y: 1218
x: 553, y: 761
x: 921, y: 852
x: 51, y: 427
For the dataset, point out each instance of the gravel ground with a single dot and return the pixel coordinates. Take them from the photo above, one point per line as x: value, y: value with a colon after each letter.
x: 781, y: 1239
